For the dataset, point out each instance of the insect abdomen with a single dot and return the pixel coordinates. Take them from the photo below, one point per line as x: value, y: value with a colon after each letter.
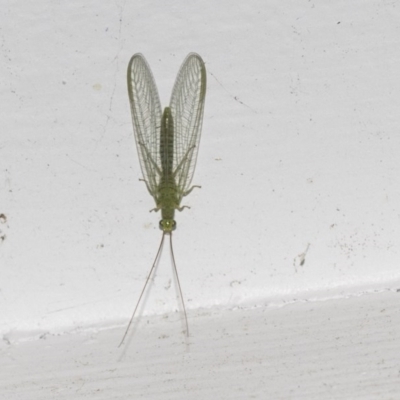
x: 167, y: 188
x: 167, y: 144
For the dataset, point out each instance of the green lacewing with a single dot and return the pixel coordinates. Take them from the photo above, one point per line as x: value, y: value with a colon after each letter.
x: 167, y: 142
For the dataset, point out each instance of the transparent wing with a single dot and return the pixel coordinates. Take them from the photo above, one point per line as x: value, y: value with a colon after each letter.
x: 146, y: 118
x: 187, y: 107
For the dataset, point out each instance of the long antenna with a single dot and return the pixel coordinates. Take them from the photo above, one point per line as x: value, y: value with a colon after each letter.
x: 144, y: 287
x: 179, y: 284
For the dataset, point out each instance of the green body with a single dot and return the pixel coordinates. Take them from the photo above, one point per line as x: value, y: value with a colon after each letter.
x: 167, y: 198
x: 167, y: 142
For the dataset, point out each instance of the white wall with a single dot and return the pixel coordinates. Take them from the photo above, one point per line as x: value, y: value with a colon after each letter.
x: 300, y: 147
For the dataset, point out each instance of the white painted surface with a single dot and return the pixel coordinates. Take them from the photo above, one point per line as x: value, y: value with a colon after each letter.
x: 337, y: 349
x: 300, y: 148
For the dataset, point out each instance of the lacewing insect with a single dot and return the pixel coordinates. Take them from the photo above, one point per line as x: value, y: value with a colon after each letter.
x: 167, y: 142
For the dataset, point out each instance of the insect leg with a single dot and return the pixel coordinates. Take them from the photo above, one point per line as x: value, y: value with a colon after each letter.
x: 189, y: 190
x: 181, y: 208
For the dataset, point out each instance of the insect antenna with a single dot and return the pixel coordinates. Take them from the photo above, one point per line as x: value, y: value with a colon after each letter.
x: 144, y: 288
x: 179, y: 284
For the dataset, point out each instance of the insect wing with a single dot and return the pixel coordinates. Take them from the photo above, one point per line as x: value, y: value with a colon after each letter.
x: 187, y: 107
x: 146, y: 117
